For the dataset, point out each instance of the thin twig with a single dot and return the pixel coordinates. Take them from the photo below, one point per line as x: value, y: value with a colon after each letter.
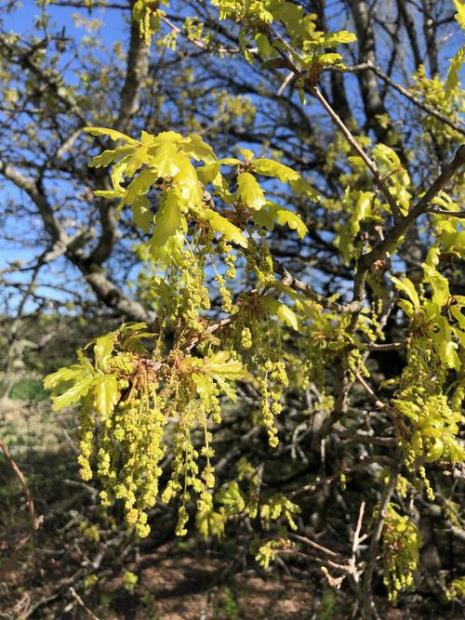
x: 405, y: 93
x: 370, y: 164
x: 378, y: 403
x: 388, y: 346
x: 315, y: 545
x: 391, y: 240
x: 344, y: 568
x: 367, y: 595
x: 36, y: 521
x: 291, y: 281
x: 358, y: 528
x: 458, y: 214
x: 356, y: 545
x: 81, y: 603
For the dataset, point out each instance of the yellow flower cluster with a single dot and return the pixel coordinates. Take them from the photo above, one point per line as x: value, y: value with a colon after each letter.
x: 401, y: 542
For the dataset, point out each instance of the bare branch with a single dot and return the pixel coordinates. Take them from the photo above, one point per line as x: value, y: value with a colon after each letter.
x: 458, y: 214
x: 367, y: 594
x: 405, y: 93
x: 370, y: 164
x: 400, y: 228
x: 105, y: 290
x: 136, y: 72
x: 35, y: 520
x: 31, y: 187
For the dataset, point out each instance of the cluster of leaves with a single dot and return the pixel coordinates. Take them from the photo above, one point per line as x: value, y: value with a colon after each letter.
x: 140, y: 394
x: 164, y: 162
x: 402, y: 542
x: 435, y: 347
x: 148, y: 14
x: 308, y: 45
x: 150, y: 17
x: 433, y: 92
x: 127, y: 400
x: 242, y: 498
x: 365, y: 208
x: 456, y: 589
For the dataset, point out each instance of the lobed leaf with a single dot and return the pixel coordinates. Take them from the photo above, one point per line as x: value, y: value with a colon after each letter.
x: 270, y: 168
x: 169, y: 220
x: 106, y: 394
x: 224, y: 227
x: 110, y: 133
x: 272, y: 214
x: 407, y: 287
x: 249, y: 192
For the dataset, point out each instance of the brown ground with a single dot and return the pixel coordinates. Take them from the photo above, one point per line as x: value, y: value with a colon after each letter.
x: 179, y: 587
x: 176, y: 583
x: 171, y: 586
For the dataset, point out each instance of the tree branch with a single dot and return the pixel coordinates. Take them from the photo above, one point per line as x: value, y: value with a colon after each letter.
x: 367, y: 594
x: 136, y: 72
x: 105, y: 290
x: 52, y: 81
x: 370, y: 164
x: 404, y: 92
x: 400, y: 228
x: 35, y: 520
x: 30, y: 186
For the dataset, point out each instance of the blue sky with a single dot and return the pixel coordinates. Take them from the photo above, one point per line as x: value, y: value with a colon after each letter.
x: 23, y: 19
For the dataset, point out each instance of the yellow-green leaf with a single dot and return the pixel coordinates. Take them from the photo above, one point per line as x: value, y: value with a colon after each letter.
x: 454, y: 68
x: 273, y: 213
x: 209, y: 172
x: 142, y: 214
x: 329, y: 59
x: 229, y: 161
x: 166, y: 160
x: 249, y: 192
x: 294, y: 221
x: 460, y: 15
x: 281, y: 311
x: 265, y: 49
x: 68, y: 374
x: 270, y: 168
x: 406, y: 286
x: 288, y: 317
x: 439, y: 285
x: 107, y: 157
x: 303, y: 188
x: 108, y: 194
x: 111, y: 133
x: 339, y: 38
x: 362, y: 211
x: 196, y: 148
x: 247, y: 154
x: 106, y: 394
x: 224, y: 227
x: 74, y: 393
x: 168, y: 221
x: 103, y: 349
x: 140, y: 185
x: 223, y: 365
x: 187, y: 183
